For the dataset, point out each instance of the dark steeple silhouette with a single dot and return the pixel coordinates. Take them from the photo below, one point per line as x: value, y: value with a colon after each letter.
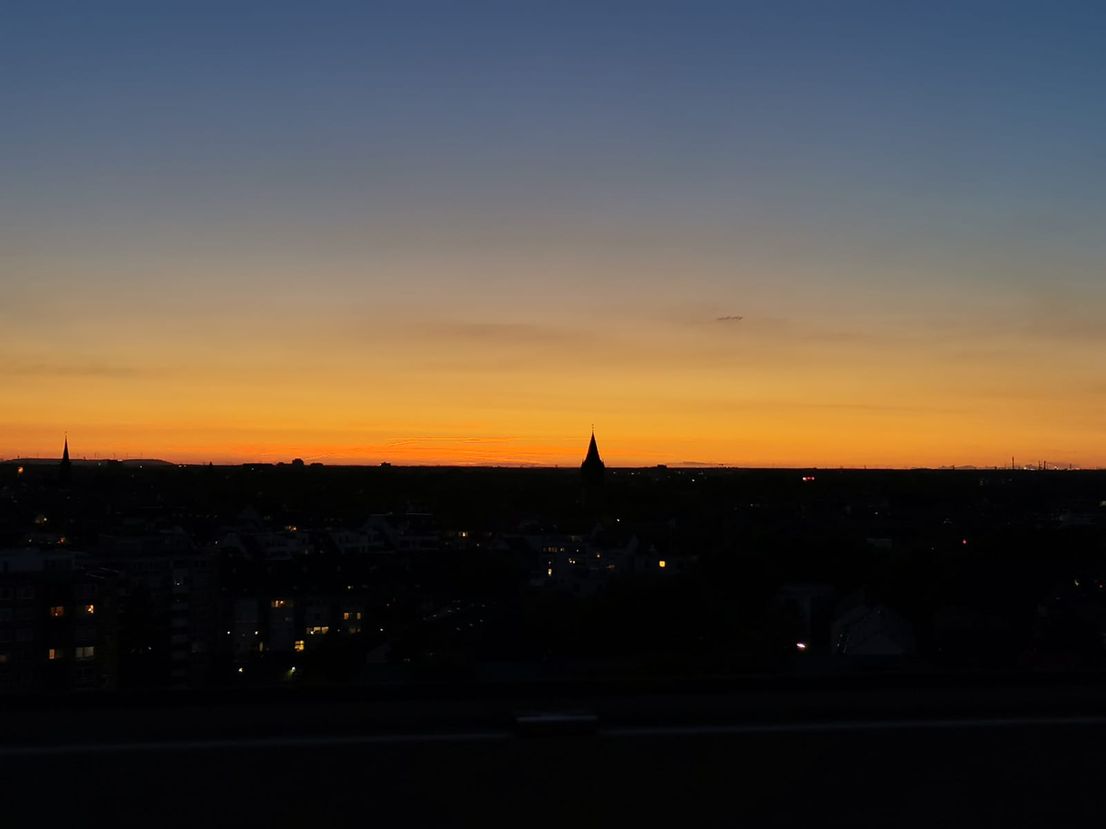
x: 592, y: 468
x: 65, y: 463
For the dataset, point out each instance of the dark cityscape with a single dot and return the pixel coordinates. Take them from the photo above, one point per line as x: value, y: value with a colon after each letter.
x: 248, y: 613
x: 144, y: 574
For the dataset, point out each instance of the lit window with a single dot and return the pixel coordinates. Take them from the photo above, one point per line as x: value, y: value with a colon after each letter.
x: 317, y: 629
x: 359, y: 615
x: 278, y: 603
x: 345, y: 616
x: 55, y: 653
x: 549, y: 572
x: 298, y: 646
x: 662, y: 563
x: 86, y: 652
x: 90, y: 609
x: 57, y: 611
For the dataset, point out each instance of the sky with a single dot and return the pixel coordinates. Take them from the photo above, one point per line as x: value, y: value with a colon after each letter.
x: 776, y: 233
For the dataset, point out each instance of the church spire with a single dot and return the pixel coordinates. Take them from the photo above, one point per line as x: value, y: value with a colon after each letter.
x: 593, y: 452
x: 64, y: 471
x: 591, y: 471
x: 592, y: 467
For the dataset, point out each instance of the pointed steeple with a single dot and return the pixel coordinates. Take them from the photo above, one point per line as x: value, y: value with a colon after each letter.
x: 64, y: 471
x: 592, y: 468
x: 593, y: 452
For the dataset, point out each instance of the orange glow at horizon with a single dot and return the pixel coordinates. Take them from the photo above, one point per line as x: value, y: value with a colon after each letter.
x: 480, y: 393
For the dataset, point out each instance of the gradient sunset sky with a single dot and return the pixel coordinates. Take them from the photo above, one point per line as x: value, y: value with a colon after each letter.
x: 778, y: 233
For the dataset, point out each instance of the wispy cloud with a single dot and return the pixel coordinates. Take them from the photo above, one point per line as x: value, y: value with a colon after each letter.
x: 780, y: 405
x: 19, y: 368
x: 503, y: 332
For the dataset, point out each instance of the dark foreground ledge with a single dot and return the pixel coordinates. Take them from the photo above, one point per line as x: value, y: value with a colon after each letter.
x: 852, y: 751
x: 520, y: 708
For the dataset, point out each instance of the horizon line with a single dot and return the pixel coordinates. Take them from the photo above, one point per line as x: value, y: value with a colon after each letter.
x: 680, y: 465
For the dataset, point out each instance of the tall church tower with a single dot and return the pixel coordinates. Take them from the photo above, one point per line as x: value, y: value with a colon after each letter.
x: 65, y: 468
x: 592, y: 470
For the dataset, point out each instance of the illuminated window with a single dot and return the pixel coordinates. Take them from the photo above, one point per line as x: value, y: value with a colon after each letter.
x: 549, y: 572
x: 90, y: 609
x: 86, y: 652
x: 57, y: 611
x: 55, y: 653
x: 359, y: 615
x: 278, y: 603
x: 298, y: 647
x: 317, y: 629
x: 345, y: 616
x: 662, y: 563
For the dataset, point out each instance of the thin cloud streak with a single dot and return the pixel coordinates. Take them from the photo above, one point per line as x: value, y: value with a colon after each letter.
x: 74, y: 370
